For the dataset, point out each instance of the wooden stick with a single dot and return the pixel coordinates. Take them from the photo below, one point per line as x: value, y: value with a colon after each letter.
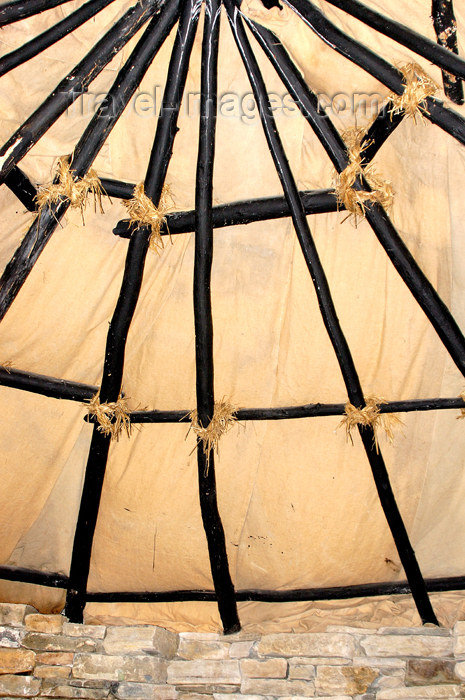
x: 451, y: 122
x: 243, y: 212
x: 341, y: 348
x: 445, y: 27
x: 124, y: 310
x: 16, y: 10
x: 422, y: 290
x: 85, y: 152
x: 302, y: 411
x: 203, y: 322
x: 74, y: 85
x: 405, y: 36
x: 38, y: 578
x: 32, y: 48
x: 364, y: 590
x: 45, y: 385
x: 21, y: 186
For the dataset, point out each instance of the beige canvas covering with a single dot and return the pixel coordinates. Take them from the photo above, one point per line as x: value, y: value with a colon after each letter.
x: 297, y: 500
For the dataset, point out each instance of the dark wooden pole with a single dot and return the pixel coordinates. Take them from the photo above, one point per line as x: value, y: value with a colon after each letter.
x: 338, y: 340
x: 422, y: 290
x: 86, y: 151
x: 445, y: 26
x: 309, y: 410
x: 363, y: 590
x: 21, y: 186
x: 15, y: 10
x: 74, y: 84
x: 203, y: 321
x: 15, y: 58
x: 419, y: 44
x: 124, y: 311
x: 448, y: 120
x: 38, y: 578
x: 46, y: 386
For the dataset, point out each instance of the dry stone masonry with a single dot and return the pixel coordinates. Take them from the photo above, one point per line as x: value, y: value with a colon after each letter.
x: 44, y: 656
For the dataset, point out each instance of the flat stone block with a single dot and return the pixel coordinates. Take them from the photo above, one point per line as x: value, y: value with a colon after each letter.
x: 52, y: 658
x: 317, y: 660
x: 16, y: 660
x: 421, y: 671
x: 195, y: 649
x: 52, y: 671
x: 347, y: 629
x: 13, y: 614
x: 380, y: 662
x: 56, y: 642
x: 406, y: 645
x: 427, y: 629
x: 204, y: 672
x: 68, y: 691
x: 383, y: 682
x: 89, y: 683
x: 345, y: 680
x: 207, y: 690
x: 240, y: 650
x: 133, y: 640
x: 460, y: 670
x: 44, y: 623
x: 144, y: 691
x: 238, y: 696
x: 140, y: 669
x: 72, y: 629
x: 320, y: 697
x: 10, y: 637
x: 275, y: 687
x: 301, y: 671
x: 309, y: 644
x: 459, y: 645
x: 430, y: 691
x: 202, y: 636
x: 271, y: 668
x: 20, y: 686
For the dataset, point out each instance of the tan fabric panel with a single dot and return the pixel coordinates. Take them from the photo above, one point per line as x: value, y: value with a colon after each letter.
x: 297, y: 499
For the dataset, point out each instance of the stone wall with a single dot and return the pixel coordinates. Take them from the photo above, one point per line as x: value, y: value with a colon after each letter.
x: 46, y: 656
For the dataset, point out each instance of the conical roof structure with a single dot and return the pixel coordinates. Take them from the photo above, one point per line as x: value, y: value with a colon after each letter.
x: 232, y: 311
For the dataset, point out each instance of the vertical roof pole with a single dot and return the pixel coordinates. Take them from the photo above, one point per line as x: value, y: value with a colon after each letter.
x: 214, y: 531
x: 445, y: 26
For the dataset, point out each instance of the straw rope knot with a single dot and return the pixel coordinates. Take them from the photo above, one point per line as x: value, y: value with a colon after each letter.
x: 370, y: 416
x: 417, y: 87
x: 112, y: 417
x: 223, y: 419
x: 143, y: 212
x: 356, y: 200
x: 462, y: 410
x: 76, y: 191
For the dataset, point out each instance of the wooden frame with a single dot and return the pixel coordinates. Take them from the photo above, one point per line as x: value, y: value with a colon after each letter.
x: 203, y: 221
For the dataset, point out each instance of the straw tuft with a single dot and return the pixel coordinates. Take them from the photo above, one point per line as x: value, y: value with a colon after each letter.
x: 354, y: 200
x: 112, y: 417
x: 75, y: 191
x: 223, y: 419
x: 370, y: 416
x: 418, y: 86
x: 143, y: 212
